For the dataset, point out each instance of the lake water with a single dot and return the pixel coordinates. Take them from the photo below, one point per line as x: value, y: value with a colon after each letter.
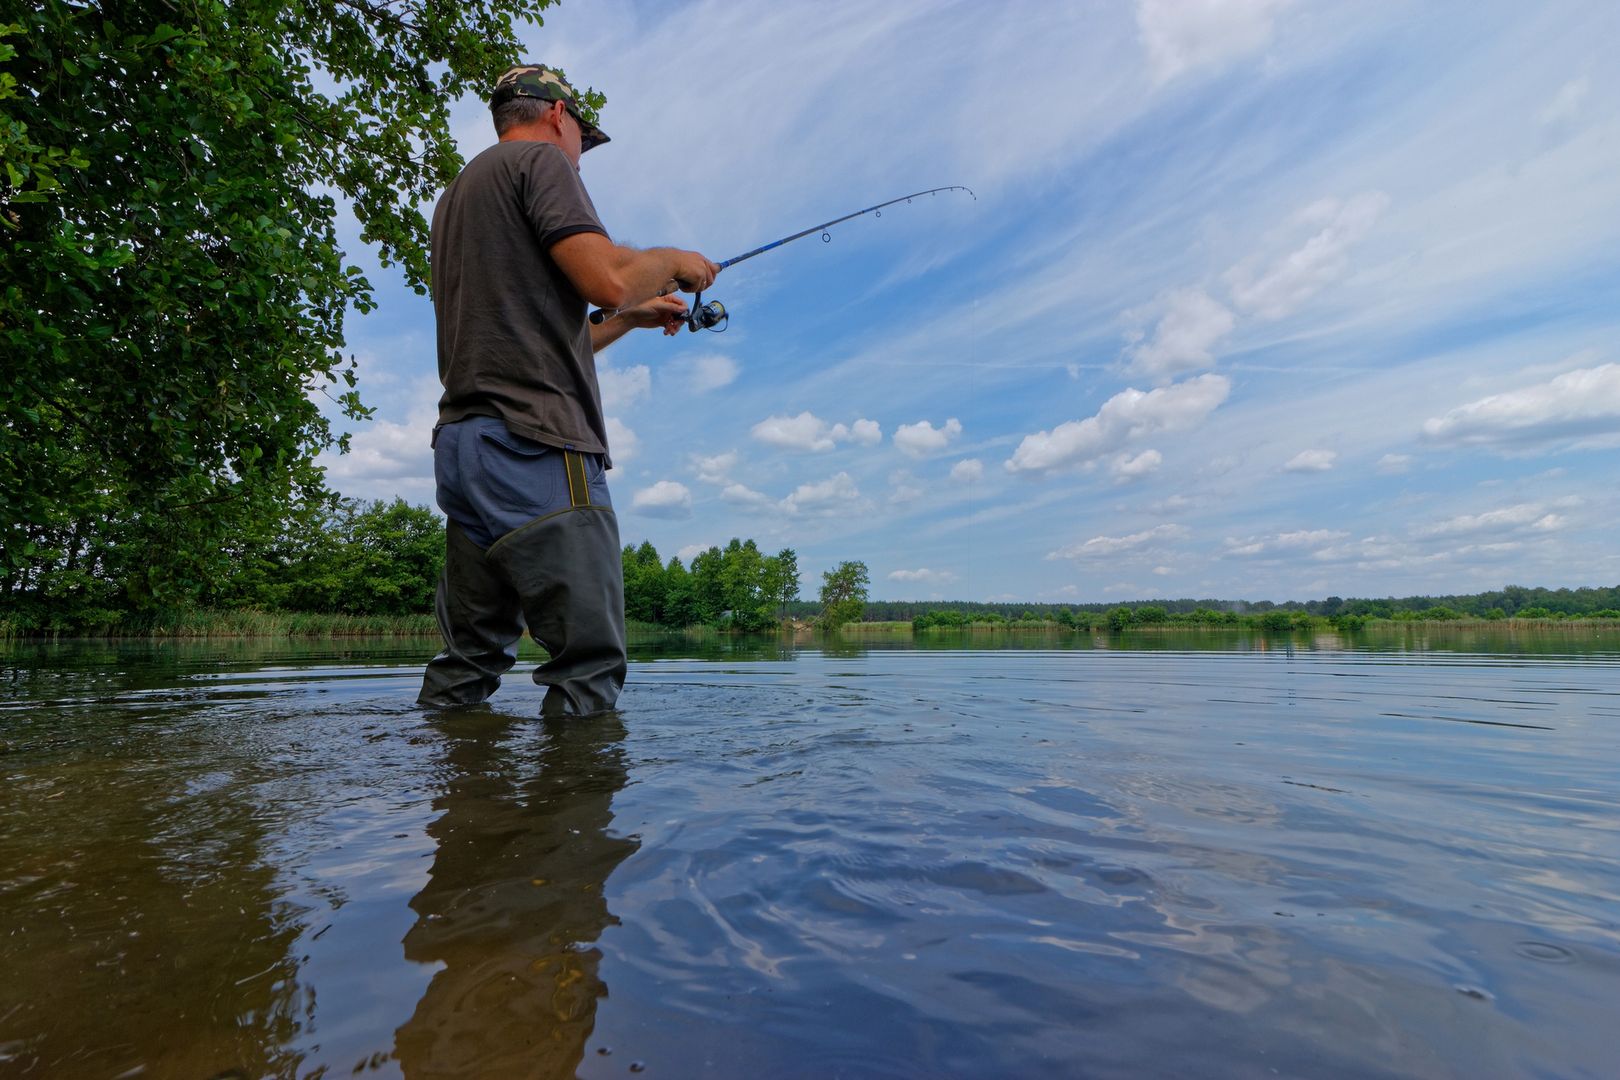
x: 1175, y: 855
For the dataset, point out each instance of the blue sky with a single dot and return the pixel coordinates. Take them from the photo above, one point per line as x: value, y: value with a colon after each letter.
x: 1263, y: 299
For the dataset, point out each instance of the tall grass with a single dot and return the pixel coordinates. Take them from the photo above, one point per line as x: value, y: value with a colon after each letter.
x: 243, y: 623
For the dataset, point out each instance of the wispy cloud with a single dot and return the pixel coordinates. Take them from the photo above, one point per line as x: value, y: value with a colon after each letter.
x: 1187, y: 331
x: 1278, y: 287
x: 622, y: 388
x: 1531, y: 517
x: 1184, y: 35
x: 923, y: 574
x: 1103, y: 546
x: 1309, y: 461
x: 706, y: 372
x: 715, y: 468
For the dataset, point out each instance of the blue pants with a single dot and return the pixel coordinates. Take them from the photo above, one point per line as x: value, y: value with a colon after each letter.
x: 532, y: 541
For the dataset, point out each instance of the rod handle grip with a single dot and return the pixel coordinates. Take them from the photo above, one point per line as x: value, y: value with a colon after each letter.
x: 601, y: 315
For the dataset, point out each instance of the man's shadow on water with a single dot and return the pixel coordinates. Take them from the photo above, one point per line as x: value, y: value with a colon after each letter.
x: 515, y: 900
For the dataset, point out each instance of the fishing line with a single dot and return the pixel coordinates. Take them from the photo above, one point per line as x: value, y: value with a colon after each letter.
x: 713, y: 315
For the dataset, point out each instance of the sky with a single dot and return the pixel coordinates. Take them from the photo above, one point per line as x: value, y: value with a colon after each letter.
x: 1253, y: 299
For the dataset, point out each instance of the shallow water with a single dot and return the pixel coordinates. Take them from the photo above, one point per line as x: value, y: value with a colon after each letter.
x: 1267, y: 858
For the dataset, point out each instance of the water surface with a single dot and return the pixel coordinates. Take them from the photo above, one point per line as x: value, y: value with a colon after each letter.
x: 1058, y: 859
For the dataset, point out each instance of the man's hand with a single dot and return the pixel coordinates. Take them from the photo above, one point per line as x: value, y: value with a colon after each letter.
x: 666, y: 312
x: 694, y: 272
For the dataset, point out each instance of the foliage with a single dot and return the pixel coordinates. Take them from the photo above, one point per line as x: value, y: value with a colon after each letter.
x: 353, y: 558
x: 843, y: 594
x: 1510, y: 601
x: 172, y: 290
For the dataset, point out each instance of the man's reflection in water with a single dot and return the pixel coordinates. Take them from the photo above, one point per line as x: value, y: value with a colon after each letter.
x: 515, y: 897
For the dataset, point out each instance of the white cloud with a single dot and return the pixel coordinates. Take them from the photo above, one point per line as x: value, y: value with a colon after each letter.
x: 1124, y: 467
x: 1181, y: 35
x: 386, y: 458
x: 623, y: 388
x: 1567, y: 103
x: 1188, y: 329
x: 922, y: 438
x: 834, y: 494
x: 745, y: 496
x: 691, y: 551
x: 903, y: 488
x: 382, y: 450
x: 1295, y: 277
x: 865, y: 432
x: 1524, y: 517
x: 923, y: 574
x: 1395, y: 464
x: 667, y: 498
x: 708, y: 372
x: 1101, y: 546
x: 715, y: 469
x: 1127, y: 415
x: 622, y: 442
x: 1300, y: 540
x: 1580, y: 407
x: 807, y: 431
x: 967, y: 471
x: 1311, y: 461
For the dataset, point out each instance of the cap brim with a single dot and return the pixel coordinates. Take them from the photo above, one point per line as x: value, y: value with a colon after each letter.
x: 591, y: 137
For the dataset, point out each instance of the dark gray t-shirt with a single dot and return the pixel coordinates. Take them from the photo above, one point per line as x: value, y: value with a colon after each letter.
x: 513, y: 340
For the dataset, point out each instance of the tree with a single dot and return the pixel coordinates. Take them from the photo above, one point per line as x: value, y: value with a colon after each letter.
x: 843, y: 594
x: 644, y: 584
x: 708, y: 586
x: 354, y: 558
x: 171, y: 285
x: 782, y: 580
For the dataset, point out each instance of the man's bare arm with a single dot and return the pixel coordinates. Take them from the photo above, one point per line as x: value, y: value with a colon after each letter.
x: 612, y: 276
x: 666, y: 313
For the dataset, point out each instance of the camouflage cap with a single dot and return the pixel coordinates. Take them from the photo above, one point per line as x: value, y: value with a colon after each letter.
x: 543, y: 84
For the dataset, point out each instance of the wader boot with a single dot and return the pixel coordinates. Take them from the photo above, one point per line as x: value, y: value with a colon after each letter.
x: 568, y: 573
x: 481, y: 621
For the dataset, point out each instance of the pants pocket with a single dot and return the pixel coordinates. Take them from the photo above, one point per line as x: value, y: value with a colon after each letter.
x: 519, y: 474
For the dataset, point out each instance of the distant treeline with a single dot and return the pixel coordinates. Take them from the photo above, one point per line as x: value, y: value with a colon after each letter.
x: 1514, y: 601
x: 351, y: 559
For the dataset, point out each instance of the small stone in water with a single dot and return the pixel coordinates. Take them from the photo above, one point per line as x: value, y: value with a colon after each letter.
x: 638, y: 1066
x: 1476, y: 993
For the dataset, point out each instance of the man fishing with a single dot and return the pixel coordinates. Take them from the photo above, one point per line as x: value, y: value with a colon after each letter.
x: 520, y: 452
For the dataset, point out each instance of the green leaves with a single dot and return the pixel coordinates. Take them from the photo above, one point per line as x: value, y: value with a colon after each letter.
x: 170, y: 278
x: 843, y: 594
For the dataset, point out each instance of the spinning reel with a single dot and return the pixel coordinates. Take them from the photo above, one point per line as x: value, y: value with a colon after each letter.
x: 711, y: 316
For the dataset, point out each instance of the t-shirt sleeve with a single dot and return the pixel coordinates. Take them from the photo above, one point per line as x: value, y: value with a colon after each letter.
x: 554, y: 198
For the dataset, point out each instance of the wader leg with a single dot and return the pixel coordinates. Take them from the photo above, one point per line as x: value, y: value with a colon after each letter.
x: 569, y: 572
x: 481, y: 622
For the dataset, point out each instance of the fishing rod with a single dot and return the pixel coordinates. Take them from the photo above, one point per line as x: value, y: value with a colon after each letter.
x: 713, y: 315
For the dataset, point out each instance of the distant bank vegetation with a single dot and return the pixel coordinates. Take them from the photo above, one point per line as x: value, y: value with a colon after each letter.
x: 1513, y: 602
x: 354, y: 567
